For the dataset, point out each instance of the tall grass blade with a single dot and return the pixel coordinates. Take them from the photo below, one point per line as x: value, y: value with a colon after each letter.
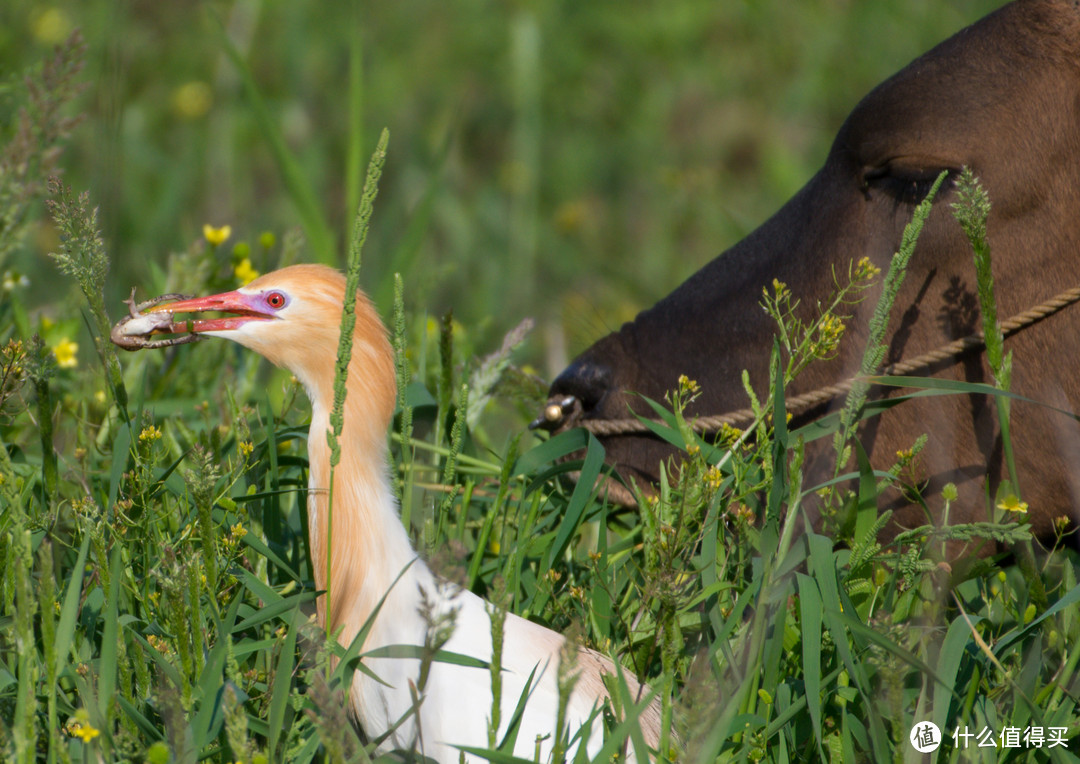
x: 210, y: 717
x: 107, y: 665
x: 874, y: 354
x: 971, y: 209
x: 69, y: 609
x: 810, y: 608
x: 345, y: 344
x: 575, y: 509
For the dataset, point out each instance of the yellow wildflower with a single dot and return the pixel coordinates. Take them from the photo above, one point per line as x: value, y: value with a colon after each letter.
x: 1012, y: 503
x: 865, y: 270
x: 244, y: 273
x: 51, y: 26
x: 65, y: 351
x: 830, y: 330
x: 687, y: 385
x: 571, y: 216
x: 742, y: 513
x: 86, y: 732
x: 215, y: 237
x: 728, y: 434
x: 246, y: 447
x: 79, y: 726
x: 192, y: 100
x: 150, y: 434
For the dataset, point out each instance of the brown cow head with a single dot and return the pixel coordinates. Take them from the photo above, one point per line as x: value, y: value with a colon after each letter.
x: 1001, y: 97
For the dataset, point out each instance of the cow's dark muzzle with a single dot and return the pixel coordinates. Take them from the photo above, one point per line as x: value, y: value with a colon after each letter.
x: 586, y: 392
x: 576, y: 394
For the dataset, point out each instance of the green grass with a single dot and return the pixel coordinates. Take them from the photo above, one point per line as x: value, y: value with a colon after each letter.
x: 156, y: 582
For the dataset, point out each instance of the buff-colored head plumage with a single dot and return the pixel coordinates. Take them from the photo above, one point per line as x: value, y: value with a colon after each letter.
x: 297, y: 327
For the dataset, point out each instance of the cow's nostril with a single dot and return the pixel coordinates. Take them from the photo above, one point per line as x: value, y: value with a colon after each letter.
x: 577, y: 392
x: 586, y: 381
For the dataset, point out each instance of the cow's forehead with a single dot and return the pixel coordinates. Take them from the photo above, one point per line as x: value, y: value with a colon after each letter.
x: 973, y: 95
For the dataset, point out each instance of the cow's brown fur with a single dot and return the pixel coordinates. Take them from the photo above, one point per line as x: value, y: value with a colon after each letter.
x: 1001, y: 97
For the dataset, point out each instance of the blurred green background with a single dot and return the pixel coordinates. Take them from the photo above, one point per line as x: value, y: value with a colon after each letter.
x: 571, y: 161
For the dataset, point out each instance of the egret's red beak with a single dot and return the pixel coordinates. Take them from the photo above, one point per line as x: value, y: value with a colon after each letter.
x: 243, y: 307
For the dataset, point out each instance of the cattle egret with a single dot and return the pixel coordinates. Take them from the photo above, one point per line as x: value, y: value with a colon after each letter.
x: 292, y: 317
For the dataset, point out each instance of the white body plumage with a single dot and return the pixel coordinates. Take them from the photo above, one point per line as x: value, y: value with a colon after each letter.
x: 292, y: 318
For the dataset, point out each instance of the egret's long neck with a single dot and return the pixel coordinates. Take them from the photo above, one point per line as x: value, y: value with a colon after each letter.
x: 358, y: 523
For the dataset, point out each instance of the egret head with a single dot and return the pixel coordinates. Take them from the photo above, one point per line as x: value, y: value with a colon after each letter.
x: 292, y: 317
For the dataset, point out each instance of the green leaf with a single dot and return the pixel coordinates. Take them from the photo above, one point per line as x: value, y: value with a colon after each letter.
x: 950, y: 659
x: 145, y: 725
x: 810, y: 608
x: 270, y: 612
x: 107, y: 661
x: 583, y: 492
x: 120, y: 446
x: 281, y: 689
x: 1070, y: 598
x: 417, y: 652
x: 69, y: 610
x: 553, y: 449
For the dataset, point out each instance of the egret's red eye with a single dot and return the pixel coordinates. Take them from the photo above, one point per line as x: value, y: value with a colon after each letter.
x: 275, y: 300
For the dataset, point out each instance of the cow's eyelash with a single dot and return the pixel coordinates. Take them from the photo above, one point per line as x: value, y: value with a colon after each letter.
x: 906, y: 187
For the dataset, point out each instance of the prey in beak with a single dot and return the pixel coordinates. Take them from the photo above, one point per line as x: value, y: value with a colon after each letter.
x: 153, y: 324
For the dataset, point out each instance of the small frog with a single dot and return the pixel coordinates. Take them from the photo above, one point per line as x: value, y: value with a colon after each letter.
x: 134, y: 330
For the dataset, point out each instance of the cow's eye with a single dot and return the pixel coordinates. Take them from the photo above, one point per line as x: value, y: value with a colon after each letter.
x: 907, y: 184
